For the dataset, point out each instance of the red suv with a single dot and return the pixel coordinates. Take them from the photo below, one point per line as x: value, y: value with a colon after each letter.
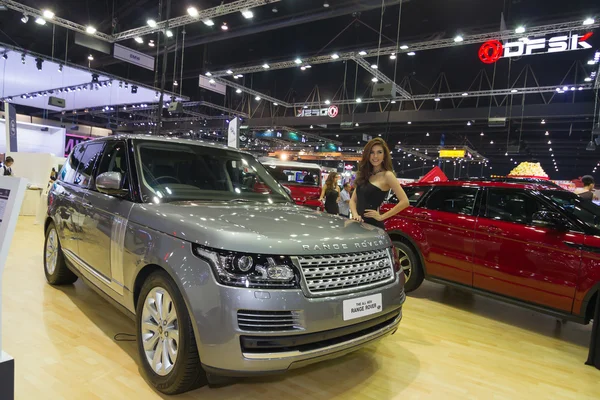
x: 526, y: 243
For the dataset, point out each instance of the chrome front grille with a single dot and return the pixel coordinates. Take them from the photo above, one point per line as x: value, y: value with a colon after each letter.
x: 343, y: 273
x: 268, y: 321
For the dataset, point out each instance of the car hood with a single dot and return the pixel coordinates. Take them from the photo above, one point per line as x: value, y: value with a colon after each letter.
x: 265, y: 229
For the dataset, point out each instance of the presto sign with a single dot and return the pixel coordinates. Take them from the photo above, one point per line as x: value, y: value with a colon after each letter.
x: 492, y: 50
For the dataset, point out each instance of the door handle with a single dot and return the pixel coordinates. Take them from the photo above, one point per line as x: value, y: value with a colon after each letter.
x: 422, y: 215
x: 490, y: 229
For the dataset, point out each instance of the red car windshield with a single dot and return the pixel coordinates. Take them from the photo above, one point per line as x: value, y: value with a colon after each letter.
x: 296, y: 176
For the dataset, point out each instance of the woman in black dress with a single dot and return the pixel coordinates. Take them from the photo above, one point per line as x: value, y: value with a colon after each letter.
x: 374, y: 180
x: 331, y: 193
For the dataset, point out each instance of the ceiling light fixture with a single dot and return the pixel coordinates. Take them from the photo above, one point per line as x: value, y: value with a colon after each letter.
x: 375, y: 80
x: 335, y: 56
x: 48, y: 14
x: 91, y: 57
x: 193, y: 11
x: 275, y: 104
x: 589, y: 21
x: 257, y: 98
x: 40, y: 21
x: 25, y: 18
x: 374, y: 66
x: 209, y: 22
x: 393, y: 101
x: 151, y: 43
x: 412, y: 53
x: 266, y: 66
x: 359, y: 100
x: 520, y: 29
x: 514, y: 91
x: 543, y: 122
x: 169, y: 33
x: 458, y: 39
x: 247, y: 14
x: 151, y: 23
x: 139, y: 40
x: 208, y: 74
x: 229, y: 72
x: 547, y: 133
x: 298, y: 61
x: 326, y: 5
x: 327, y: 102
x: 238, y: 91
x: 224, y: 26
x: 90, y: 29
x: 437, y: 99
x: 362, y: 53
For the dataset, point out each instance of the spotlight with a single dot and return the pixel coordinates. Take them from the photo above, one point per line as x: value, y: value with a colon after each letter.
x: 139, y: 40
x: 437, y: 99
x: 335, y: 56
x: 169, y: 33
x: 5, y: 56
x: 91, y: 57
x: 192, y: 11
x: 589, y: 21
x: 520, y: 29
x: 248, y: 14
x: 38, y: 63
x: 40, y: 21
x: 95, y: 78
x: 326, y: 4
x: 374, y: 66
x: 60, y: 68
x: 224, y: 26
x: 151, y: 23
x: 327, y: 102
x: 298, y: 61
x: 238, y: 91
x: 25, y: 18
x: 151, y: 43
x: 90, y: 29
x: 375, y: 80
x: 393, y: 56
x: 362, y: 53
x: 412, y: 53
x: 229, y: 72
x: 257, y: 98
x: 359, y: 100
x: 458, y: 39
x: 403, y: 47
x: 208, y: 22
x: 48, y: 14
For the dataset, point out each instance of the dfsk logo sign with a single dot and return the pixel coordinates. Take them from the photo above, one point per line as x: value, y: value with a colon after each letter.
x: 491, y: 51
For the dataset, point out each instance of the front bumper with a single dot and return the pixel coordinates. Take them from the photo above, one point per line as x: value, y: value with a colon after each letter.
x: 320, y: 334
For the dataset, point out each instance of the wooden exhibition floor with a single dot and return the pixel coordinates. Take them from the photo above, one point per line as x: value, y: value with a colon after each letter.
x: 451, y: 345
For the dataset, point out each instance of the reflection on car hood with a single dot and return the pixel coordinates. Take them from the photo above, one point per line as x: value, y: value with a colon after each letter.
x: 266, y: 229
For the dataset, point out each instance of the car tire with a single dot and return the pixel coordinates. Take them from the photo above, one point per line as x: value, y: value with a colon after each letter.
x: 170, y: 363
x: 55, y: 267
x: 410, y: 265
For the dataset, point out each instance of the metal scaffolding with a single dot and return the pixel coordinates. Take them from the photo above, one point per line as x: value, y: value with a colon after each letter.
x: 214, y: 12
x: 414, y: 47
x: 253, y: 92
x: 381, y: 77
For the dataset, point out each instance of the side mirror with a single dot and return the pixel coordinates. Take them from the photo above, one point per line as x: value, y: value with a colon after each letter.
x: 549, y: 219
x: 110, y: 183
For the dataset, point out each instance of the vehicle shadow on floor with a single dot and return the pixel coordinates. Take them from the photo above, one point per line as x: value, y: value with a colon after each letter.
x: 325, y: 380
x: 509, y: 314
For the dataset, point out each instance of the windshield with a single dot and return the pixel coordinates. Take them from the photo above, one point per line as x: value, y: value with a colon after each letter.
x: 292, y: 175
x: 584, y: 210
x: 184, y: 172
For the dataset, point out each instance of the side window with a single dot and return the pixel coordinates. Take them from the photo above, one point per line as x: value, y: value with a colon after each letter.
x: 456, y: 200
x: 67, y: 174
x: 414, y: 194
x: 87, y: 162
x: 512, y: 206
x: 115, y: 160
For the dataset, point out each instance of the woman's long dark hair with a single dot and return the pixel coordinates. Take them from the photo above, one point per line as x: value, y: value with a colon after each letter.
x: 365, y: 168
x: 331, y: 181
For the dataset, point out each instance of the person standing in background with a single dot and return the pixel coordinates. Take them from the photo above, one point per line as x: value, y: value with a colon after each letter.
x: 53, y: 175
x: 6, y: 168
x: 330, y: 193
x: 588, y: 188
x: 344, y: 202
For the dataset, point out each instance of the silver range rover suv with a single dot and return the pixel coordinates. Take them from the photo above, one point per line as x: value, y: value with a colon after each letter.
x: 222, y: 272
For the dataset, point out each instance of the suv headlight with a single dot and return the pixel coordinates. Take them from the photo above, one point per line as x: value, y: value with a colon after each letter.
x: 251, y: 270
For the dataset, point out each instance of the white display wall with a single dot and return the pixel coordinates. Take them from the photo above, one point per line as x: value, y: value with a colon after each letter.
x: 31, y: 138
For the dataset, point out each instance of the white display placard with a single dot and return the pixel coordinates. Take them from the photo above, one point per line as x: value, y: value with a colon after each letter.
x: 133, y: 57
x: 12, y: 191
x: 211, y: 84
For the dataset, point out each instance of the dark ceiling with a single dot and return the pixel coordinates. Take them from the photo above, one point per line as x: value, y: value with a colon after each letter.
x: 306, y: 28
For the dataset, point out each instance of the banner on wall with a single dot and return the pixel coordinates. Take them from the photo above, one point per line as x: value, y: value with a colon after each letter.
x: 11, y: 128
x: 73, y: 140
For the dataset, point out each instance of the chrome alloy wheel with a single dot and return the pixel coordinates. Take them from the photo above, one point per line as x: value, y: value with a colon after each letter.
x: 51, y: 251
x: 405, y: 264
x: 160, y: 331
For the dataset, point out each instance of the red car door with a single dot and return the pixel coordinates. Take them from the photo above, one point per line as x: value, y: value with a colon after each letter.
x: 517, y: 257
x: 447, y: 225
